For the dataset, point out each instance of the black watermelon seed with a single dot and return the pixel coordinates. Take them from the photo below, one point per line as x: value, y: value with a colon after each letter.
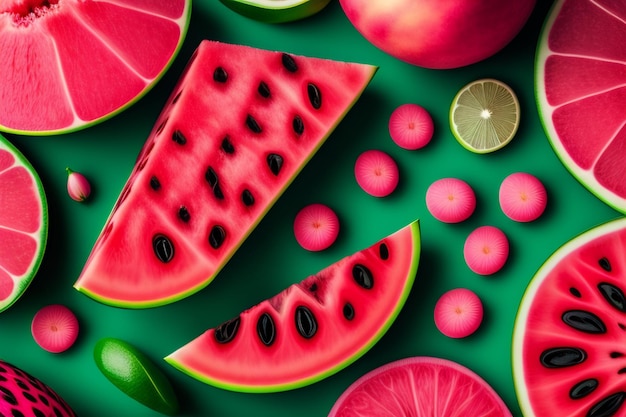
x: 613, y: 295
x: 348, y: 311
x: 38, y: 413
x: 16, y: 413
x: 155, y: 184
x: 275, y: 162
x: 363, y: 276
x: 161, y: 127
x: 313, y: 287
x: 383, y: 251
x: 298, y: 125
x: 227, y: 145
x: 266, y: 329
x: 575, y: 292
x: 622, y: 326
x: 289, y: 63
x: 583, y: 388
x: 247, y: 198
x: 305, y: 322
x: 621, y: 371
x: 217, y: 236
x: 220, y: 75
x: 22, y: 385
x: 584, y: 321
x: 177, y: 97
x: 178, y: 137
x: 183, y: 214
x: 43, y: 399
x: 605, y: 264
x: 163, y: 248
x: 7, y: 396
x: 57, y: 412
x: 315, y: 95
x: 615, y: 355
x: 29, y: 397
x: 211, y: 177
x: 607, y: 406
x: 226, y: 331
x: 253, y: 125
x: 561, y: 357
x: 264, y: 90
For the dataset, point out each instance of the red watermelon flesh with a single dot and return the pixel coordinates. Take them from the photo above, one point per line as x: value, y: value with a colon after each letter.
x: 581, y: 93
x: 569, y: 350
x: 68, y: 64
x: 240, y: 125
x: 313, y: 328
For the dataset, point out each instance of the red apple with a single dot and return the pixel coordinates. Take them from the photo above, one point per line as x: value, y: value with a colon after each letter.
x: 439, y: 33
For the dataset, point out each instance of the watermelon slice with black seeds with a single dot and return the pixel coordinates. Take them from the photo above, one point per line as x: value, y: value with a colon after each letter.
x: 313, y: 328
x: 239, y: 126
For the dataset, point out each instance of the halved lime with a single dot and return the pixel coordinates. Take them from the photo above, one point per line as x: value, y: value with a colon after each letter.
x: 484, y: 115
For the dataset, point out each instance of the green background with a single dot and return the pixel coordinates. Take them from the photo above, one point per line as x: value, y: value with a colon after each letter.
x: 270, y: 259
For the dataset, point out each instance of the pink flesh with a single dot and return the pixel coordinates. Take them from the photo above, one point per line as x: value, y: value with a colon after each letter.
x: 420, y: 386
x: 246, y: 363
x: 584, y: 81
x: 7, y: 285
x: 123, y: 267
x: 548, y: 388
x: 92, y: 57
x: 20, y: 216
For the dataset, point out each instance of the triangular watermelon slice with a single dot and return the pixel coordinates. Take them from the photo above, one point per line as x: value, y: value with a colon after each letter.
x: 239, y: 126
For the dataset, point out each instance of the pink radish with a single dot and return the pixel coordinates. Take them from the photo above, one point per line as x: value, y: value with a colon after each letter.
x: 376, y: 173
x: 450, y: 200
x: 486, y: 250
x: 523, y: 197
x: 458, y: 313
x: 411, y: 126
x: 316, y: 227
x: 55, y: 328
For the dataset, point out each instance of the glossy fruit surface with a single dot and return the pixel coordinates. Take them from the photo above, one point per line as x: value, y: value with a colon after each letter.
x: 439, y: 34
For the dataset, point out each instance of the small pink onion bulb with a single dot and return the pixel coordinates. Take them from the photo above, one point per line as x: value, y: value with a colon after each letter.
x: 78, y: 186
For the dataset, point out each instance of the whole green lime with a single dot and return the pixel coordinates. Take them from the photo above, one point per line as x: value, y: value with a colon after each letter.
x: 135, y: 374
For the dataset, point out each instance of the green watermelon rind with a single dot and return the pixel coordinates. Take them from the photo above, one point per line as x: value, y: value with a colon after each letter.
x: 185, y: 19
x: 529, y: 294
x: 585, y: 178
x: 279, y: 13
x: 206, y: 282
x: 29, y: 275
x: 379, y: 333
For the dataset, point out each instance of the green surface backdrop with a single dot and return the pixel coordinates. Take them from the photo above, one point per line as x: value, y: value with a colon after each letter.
x: 271, y: 259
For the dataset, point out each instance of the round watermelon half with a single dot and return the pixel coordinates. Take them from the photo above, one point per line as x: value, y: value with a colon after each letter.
x: 23, y: 223
x: 313, y: 328
x: 420, y: 386
x: 569, y: 350
x: 69, y: 64
x: 581, y: 94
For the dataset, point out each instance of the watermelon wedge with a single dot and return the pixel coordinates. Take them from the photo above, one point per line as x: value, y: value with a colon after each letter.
x: 313, y: 328
x: 581, y: 93
x: 23, y: 223
x: 240, y: 125
x: 569, y: 355
x: 69, y: 64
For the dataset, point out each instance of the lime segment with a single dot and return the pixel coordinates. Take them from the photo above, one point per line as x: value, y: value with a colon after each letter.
x: 484, y: 115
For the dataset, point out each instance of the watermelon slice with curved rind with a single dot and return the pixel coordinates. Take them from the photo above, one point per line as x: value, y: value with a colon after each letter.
x: 581, y: 92
x: 313, y: 328
x: 570, y: 332
x: 240, y: 125
x: 23, y: 223
x: 68, y: 64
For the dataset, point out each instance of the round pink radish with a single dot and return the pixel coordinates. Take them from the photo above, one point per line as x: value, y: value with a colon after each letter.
x: 316, y: 227
x: 523, y: 197
x: 458, y: 313
x: 376, y: 173
x: 55, y: 328
x: 411, y: 126
x: 450, y: 200
x: 486, y: 250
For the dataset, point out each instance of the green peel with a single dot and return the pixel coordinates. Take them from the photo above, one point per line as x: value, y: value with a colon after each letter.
x: 276, y: 11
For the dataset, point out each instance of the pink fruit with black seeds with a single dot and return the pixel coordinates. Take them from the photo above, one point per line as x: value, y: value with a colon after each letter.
x: 22, y: 394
